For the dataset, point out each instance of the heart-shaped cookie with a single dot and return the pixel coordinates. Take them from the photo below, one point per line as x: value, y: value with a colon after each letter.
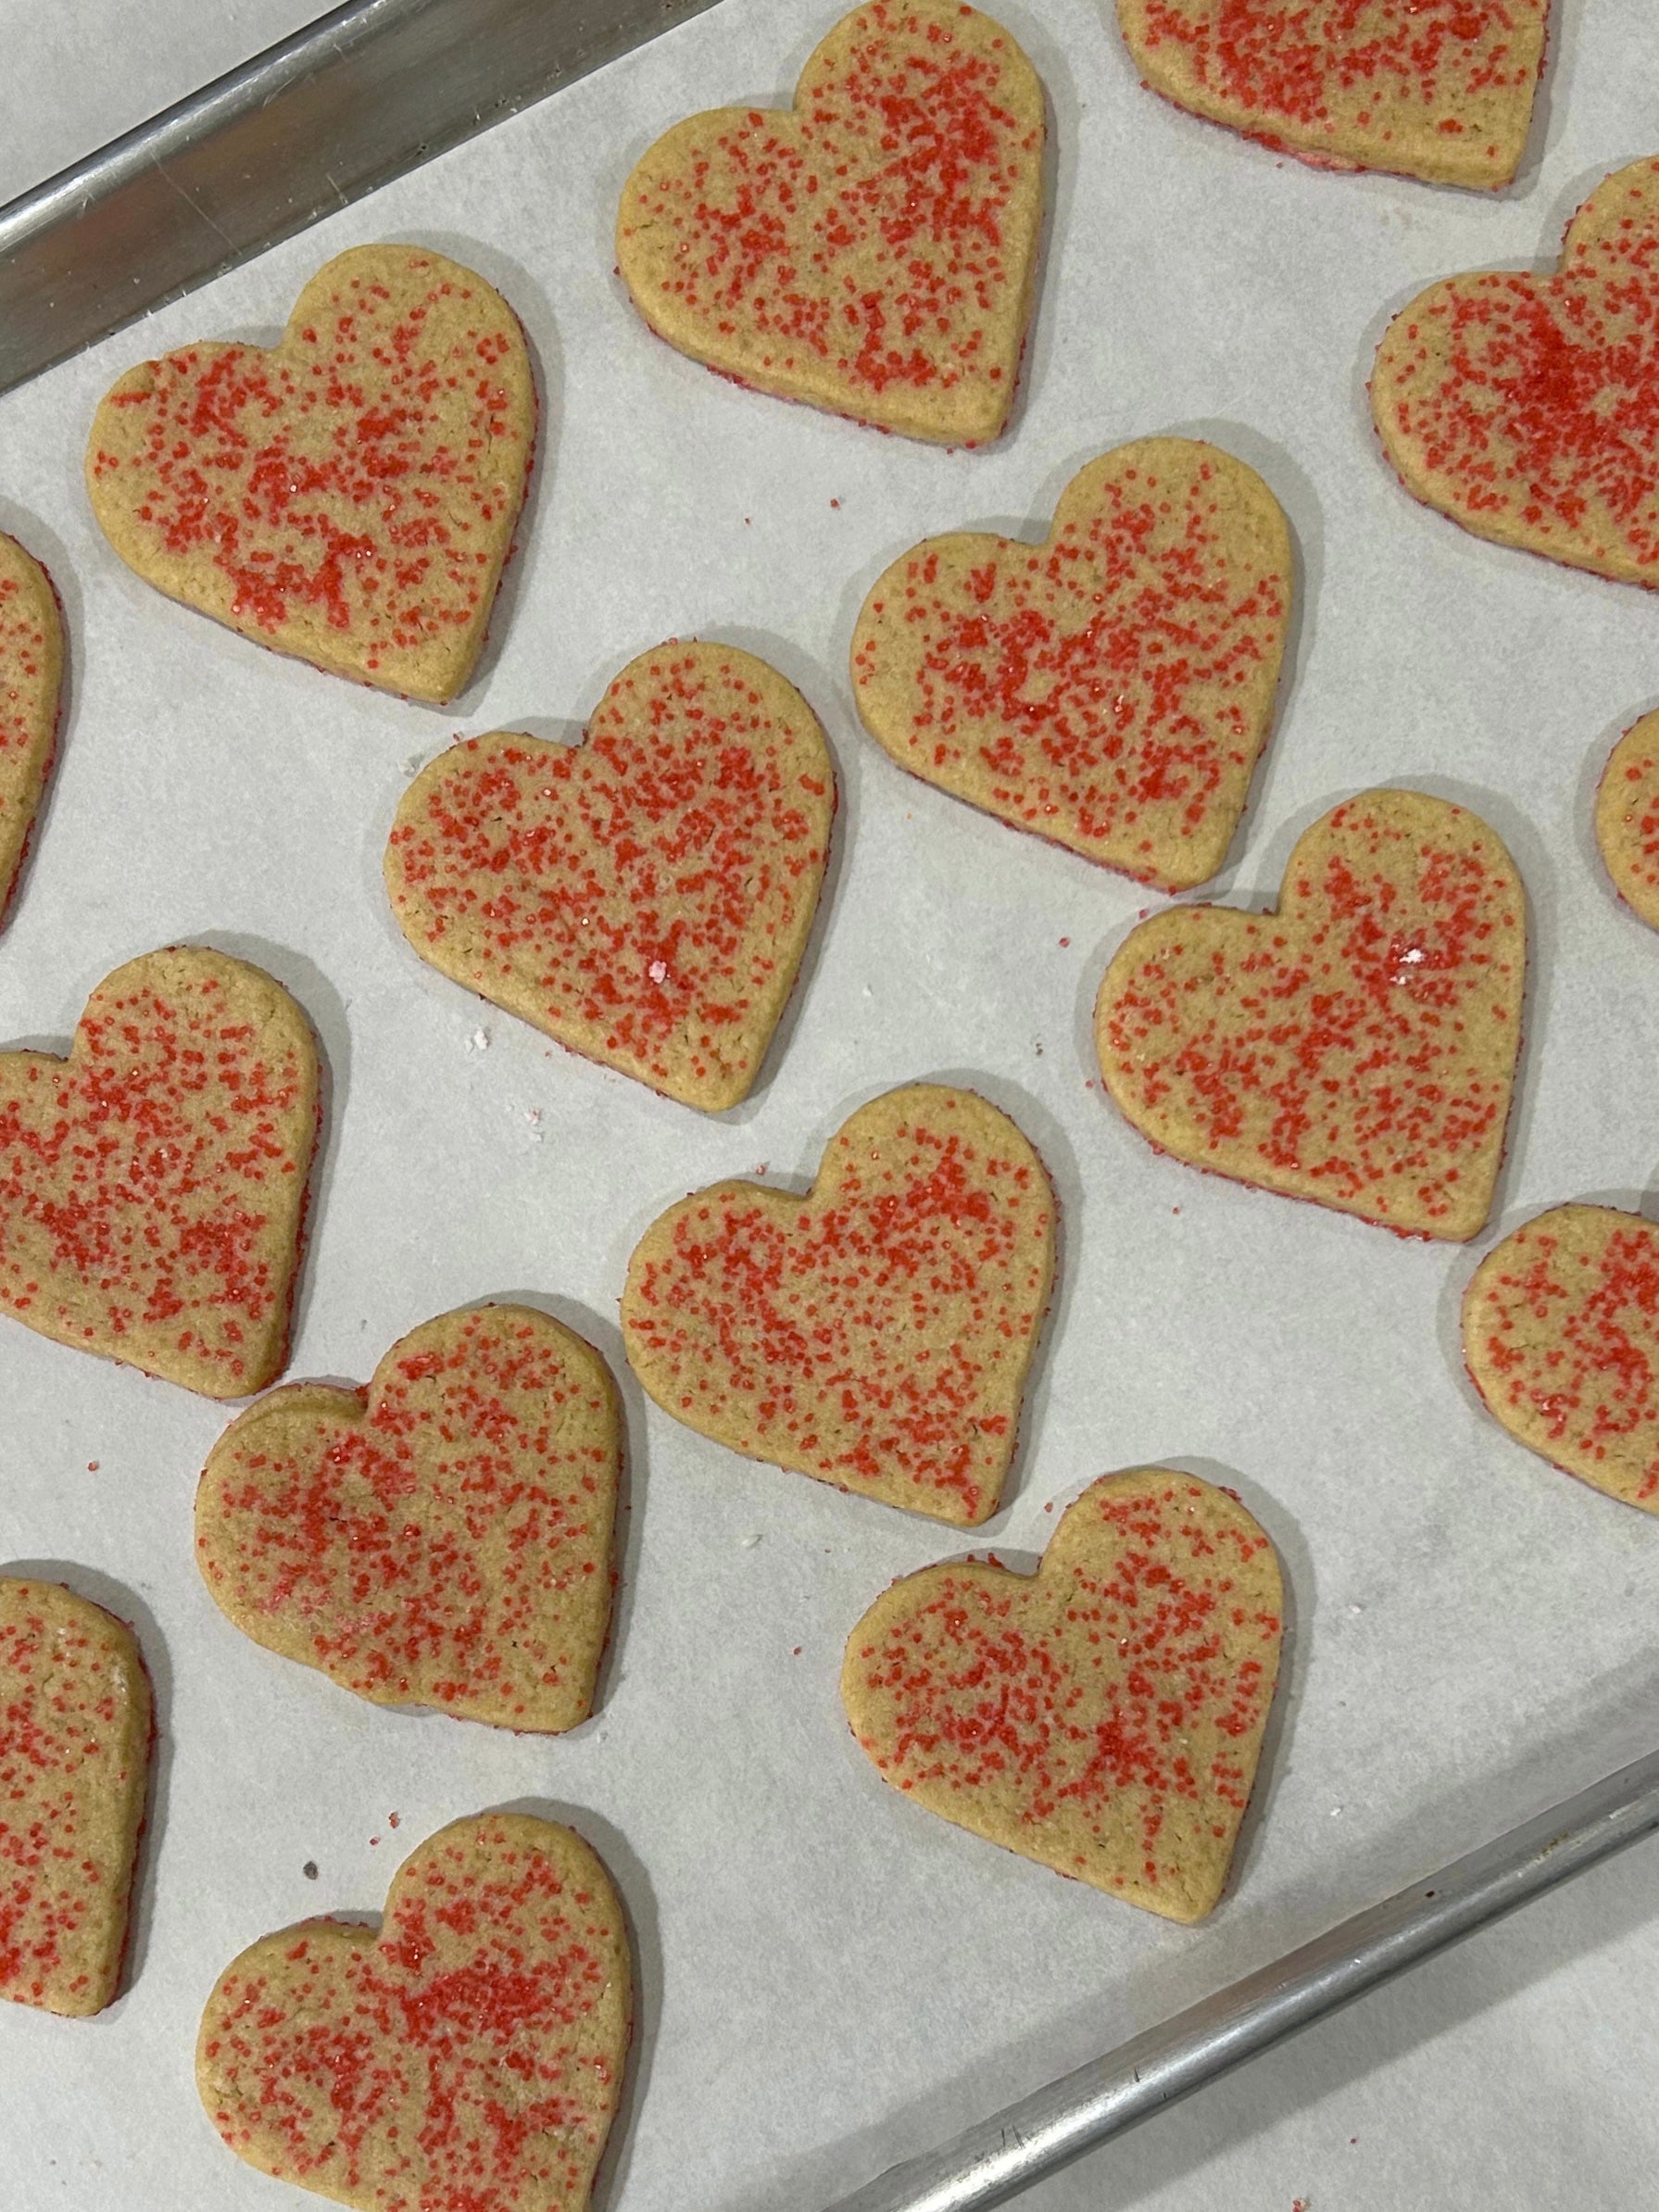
x: 467, y: 2058
x: 876, y: 1333
x: 74, y: 1760
x: 152, y: 1184
x: 1104, y: 1716
x: 1627, y: 818
x: 1110, y: 689
x: 442, y: 1538
x: 348, y: 496
x: 1527, y: 407
x: 31, y: 685
x: 1439, y: 89
x: 871, y: 250
x: 646, y: 897
x: 1358, y: 1045
x: 1560, y: 1338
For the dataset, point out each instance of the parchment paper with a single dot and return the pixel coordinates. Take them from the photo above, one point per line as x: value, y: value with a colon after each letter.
x: 830, y: 1979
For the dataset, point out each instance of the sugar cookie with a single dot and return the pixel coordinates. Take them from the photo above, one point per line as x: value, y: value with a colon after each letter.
x: 1358, y: 1045
x: 872, y: 250
x: 1437, y: 89
x: 443, y: 1538
x: 1561, y: 1337
x: 153, y: 1183
x: 876, y: 1333
x: 31, y: 686
x: 646, y: 897
x: 74, y: 1762
x: 1104, y: 1716
x: 1110, y: 689
x: 1524, y: 406
x: 1627, y: 818
x: 471, y: 2054
x: 348, y: 496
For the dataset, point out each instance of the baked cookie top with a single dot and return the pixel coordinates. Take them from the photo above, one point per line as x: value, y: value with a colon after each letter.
x: 468, y: 2055
x: 1437, y: 89
x: 152, y: 1184
x: 1357, y: 1044
x: 1527, y: 407
x: 1104, y: 1716
x: 872, y: 250
x: 1110, y: 689
x: 75, y: 1729
x: 1627, y: 818
x: 644, y: 896
x: 31, y: 684
x: 874, y: 1334
x: 1561, y: 1337
x: 442, y: 1538
x: 349, y: 496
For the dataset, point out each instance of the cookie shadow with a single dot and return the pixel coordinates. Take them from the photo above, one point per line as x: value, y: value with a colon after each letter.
x: 631, y: 1480
x: 1563, y: 42
x: 325, y: 1012
x: 1063, y: 134
x: 530, y: 303
x: 1540, y: 887
x: 642, y: 1925
x: 1039, y: 1128
x: 45, y: 546
x: 117, y: 1598
x: 1300, y: 1585
x: 1293, y: 488
x: 812, y: 683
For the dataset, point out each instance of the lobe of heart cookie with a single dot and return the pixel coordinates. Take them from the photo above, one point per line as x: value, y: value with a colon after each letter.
x: 1358, y: 1046
x: 75, y: 1734
x: 875, y: 1334
x: 1526, y: 408
x: 471, y: 2055
x: 31, y: 685
x: 1627, y: 818
x: 442, y: 1539
x: 645, y: 897
x: 348, y: 496
x: 1561, y: 1337
x: 872, y: 250
x: 1104, y: 1716
x: 152, y: 1184
x: 1437, y: 89
x: 1110, y: 689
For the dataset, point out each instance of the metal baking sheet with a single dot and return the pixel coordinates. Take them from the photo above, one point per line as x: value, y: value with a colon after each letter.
x: 831, y: 1981
x: 367, y: 91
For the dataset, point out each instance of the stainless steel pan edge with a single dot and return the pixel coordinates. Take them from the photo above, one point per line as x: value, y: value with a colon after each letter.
x: 1003, y: 2155
x: 371, y: 89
